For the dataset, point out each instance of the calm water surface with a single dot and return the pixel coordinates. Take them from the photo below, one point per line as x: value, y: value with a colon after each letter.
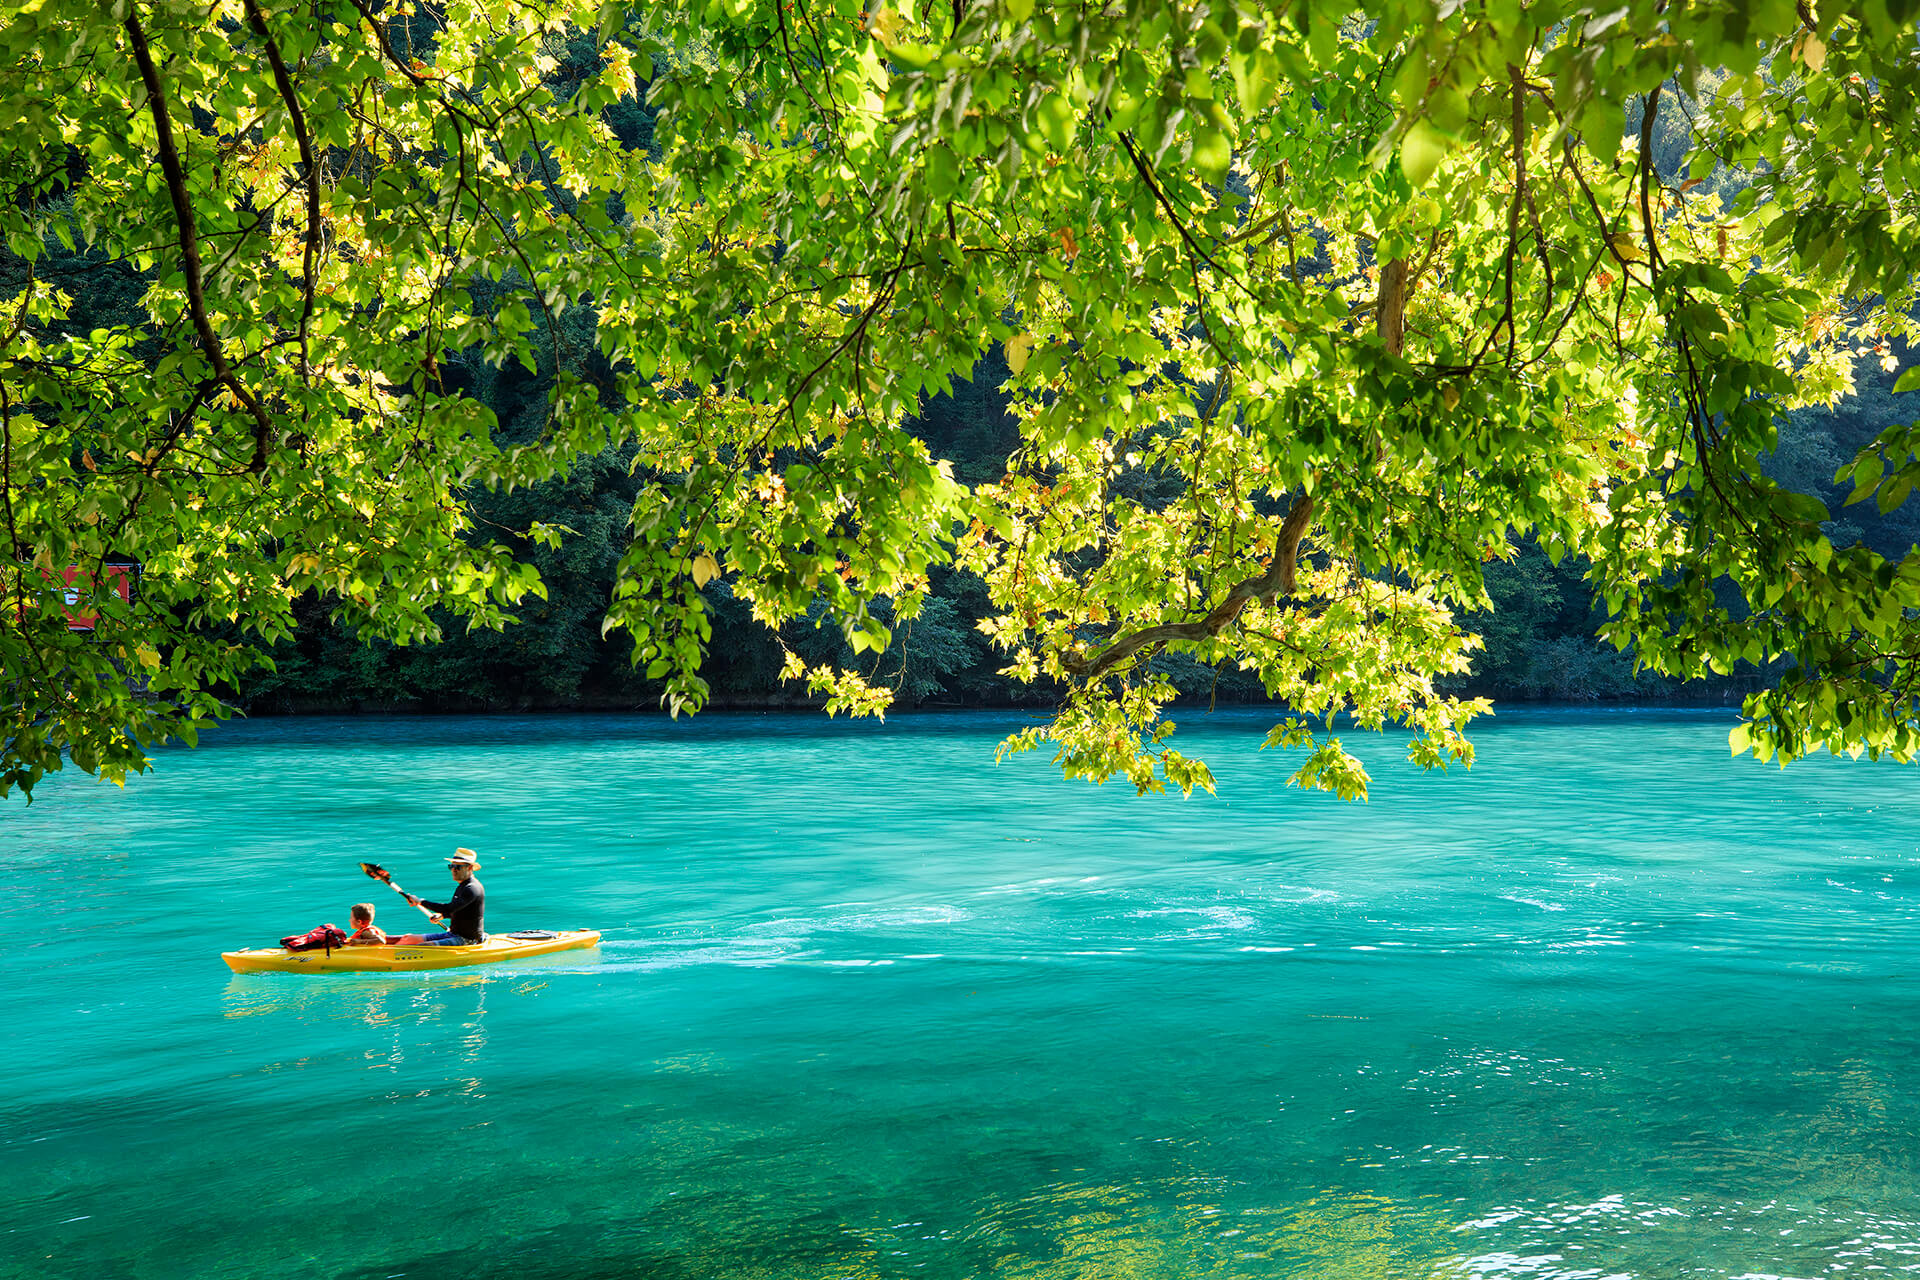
x: 1609, y: 1005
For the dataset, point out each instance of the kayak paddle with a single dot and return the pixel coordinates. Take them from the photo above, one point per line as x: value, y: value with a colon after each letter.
x: 385, y: 877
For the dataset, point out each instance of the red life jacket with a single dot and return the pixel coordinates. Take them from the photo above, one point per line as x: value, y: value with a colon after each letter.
x: 327, y: 935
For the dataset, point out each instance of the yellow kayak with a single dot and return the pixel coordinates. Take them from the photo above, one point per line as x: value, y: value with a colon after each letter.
x: 500, y: 946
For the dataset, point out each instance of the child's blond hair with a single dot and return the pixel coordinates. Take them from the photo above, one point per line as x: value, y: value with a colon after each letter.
x: 362, y: 912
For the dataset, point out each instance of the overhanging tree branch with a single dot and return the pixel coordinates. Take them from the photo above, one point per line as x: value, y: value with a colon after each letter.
x: 283, y: 81
x: 1279, y: 576
x: 1646, y: 179
x: 189, y: 242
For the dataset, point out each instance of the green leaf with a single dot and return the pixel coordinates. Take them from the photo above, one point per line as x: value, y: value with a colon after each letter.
x: 1894, y: 492
x: 1866, y: 477
x: 560, y: 308
x: 1421, y: 152
x: 1256, y: 77
x: 1212, y: 154
x: 1057, y: 117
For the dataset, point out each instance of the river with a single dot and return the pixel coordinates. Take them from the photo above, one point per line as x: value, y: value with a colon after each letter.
x: 1610, y: 1004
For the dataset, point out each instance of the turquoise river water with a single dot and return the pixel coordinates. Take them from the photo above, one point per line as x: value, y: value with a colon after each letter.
x: 1609, y: 1005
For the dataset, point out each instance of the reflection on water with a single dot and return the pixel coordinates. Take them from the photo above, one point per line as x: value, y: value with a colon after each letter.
x: 451, y: 1004
x: 868, y: 1006
x: 1109, y: 1232
x: 374, y: 998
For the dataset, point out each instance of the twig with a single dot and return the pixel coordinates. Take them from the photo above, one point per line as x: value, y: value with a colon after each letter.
x: 284, y: 83
x: 20, y: 313
x: 786, y: 45
x: 386, y: 45
x: 1195, y: 254
x: 855, y: 333
x: 1160, y: 196
x: 1519, y: 195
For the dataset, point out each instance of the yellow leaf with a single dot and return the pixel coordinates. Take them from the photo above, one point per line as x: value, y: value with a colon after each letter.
x: 705, y: 570
x: 1813, y: 52
x: 1627, y: 248
x: 885, y: 24
x: 1019, y: 347
x: 149, y: 658
x: 619, y: 71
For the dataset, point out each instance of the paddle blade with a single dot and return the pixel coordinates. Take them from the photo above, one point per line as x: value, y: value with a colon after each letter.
x: 378, y: 872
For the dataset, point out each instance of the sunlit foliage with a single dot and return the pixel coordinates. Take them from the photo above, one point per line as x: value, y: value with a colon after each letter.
x: 1310, y: 314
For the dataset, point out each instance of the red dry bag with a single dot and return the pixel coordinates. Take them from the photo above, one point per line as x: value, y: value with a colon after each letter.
x: 328, y: 936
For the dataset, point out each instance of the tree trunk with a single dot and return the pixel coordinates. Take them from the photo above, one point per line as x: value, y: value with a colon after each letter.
x: 1391, y: 314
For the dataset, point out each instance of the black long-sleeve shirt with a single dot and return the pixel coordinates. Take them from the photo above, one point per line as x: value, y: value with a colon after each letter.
x: 464, y: 912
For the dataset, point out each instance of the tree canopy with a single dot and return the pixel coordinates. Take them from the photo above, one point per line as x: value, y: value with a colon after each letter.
x: 1309, y: 314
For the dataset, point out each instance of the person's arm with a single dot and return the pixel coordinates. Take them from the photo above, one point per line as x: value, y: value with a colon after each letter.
x: 446, y: 908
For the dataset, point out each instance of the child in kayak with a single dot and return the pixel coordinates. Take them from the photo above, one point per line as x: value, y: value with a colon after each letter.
x: 364, y: 934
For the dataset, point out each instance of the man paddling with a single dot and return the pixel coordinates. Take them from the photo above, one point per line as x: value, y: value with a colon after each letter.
x: 464, y: 911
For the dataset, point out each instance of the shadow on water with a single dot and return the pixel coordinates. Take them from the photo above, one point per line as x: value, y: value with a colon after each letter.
x: 1063, y: 1230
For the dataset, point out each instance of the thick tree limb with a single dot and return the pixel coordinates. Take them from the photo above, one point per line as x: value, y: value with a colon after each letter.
x: 1276, y: 581
x: 1646, y: 179
x: 189, y: 243
x: 1390, y: 319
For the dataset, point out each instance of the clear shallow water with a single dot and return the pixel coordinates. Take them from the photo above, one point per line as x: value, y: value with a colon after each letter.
x: 1609, y: 1005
